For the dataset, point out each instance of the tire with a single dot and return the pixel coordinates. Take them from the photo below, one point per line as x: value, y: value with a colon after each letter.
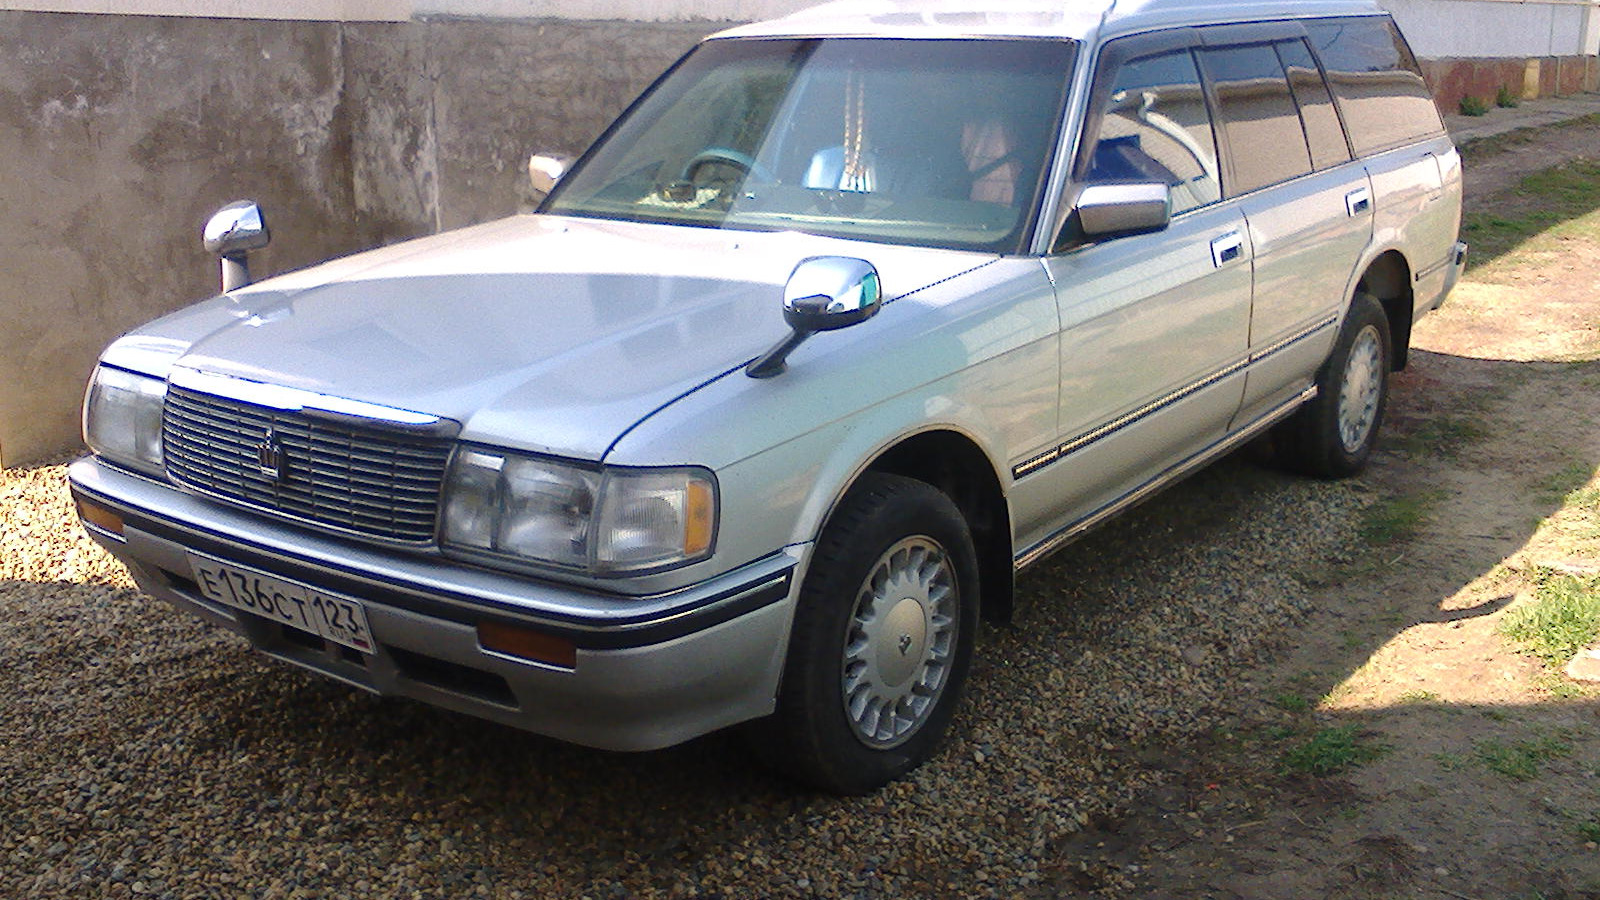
x: 1333, y: 435
x: 881, y: 642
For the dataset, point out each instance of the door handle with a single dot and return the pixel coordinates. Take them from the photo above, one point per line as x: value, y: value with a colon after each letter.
x: 1358, y: 201
x: 1227, y: 248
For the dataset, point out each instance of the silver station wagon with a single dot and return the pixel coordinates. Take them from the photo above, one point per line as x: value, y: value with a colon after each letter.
x: 853, y: 315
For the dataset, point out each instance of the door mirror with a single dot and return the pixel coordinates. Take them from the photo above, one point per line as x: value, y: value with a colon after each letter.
x: 545, y: 169
x: 824, y: 293
x: 1111, y: 210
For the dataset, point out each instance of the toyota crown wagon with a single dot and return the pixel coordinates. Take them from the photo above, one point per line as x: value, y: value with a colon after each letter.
x: 849, y: 318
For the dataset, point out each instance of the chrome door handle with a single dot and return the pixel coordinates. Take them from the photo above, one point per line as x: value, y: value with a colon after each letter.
x: 1227, y: 248
x: 1358, y: 201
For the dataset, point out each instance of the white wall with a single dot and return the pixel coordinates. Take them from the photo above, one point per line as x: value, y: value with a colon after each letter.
x: 299, y: 10
x: 633, y: 10
x: 1439, y: 29
x: 403, y: 10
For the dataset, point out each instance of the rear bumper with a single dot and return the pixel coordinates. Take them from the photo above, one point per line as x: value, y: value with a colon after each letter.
x: 1453, y: 272
x: 649, y: 672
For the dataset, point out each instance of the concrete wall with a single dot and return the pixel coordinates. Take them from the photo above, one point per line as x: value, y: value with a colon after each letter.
x: 121, y: 135
x: 124, y: 123
x: 1531, y: 48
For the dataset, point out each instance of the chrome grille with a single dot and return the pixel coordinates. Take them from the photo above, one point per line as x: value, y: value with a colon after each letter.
x: 369, y: 481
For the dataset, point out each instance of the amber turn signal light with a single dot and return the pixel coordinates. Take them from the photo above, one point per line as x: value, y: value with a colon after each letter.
x: 514, y: 640
x: 100, y: 517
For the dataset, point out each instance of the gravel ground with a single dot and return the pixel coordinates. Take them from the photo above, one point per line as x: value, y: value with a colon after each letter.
x: 143, y: 754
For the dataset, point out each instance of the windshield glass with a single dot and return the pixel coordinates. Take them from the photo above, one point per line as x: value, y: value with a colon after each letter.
x: 930, y: 142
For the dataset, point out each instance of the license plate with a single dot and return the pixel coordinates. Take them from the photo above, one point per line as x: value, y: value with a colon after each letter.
x: 339, y: 619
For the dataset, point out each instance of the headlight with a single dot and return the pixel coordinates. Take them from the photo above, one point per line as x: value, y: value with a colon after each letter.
x: 122, y: 418
x: 604, y: 521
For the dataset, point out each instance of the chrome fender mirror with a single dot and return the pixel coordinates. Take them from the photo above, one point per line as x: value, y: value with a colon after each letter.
x: 545, y: 169
x: 231, y: 233
x: 824, y: 293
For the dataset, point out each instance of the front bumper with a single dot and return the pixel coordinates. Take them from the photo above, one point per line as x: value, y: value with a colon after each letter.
x: 649, y: 671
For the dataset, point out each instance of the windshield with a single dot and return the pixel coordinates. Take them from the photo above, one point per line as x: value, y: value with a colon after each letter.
x: 930, y: 142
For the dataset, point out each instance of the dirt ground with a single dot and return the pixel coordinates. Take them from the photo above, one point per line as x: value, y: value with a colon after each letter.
x: 1497, y: 418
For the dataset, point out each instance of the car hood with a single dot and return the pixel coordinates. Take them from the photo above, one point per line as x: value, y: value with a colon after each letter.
x: 543, y: 333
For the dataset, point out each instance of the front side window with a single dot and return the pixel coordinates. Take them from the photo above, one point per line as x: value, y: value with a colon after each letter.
x: 1155, y: 128
x: 929, y: 142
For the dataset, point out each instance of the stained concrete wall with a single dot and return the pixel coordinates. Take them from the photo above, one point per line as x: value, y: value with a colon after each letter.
x: 122, y: 133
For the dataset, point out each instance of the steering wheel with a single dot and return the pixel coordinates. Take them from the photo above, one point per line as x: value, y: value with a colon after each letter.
x: 725, y: 157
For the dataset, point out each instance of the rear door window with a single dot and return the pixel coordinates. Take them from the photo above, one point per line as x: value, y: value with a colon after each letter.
x: 1376, y: 81
x: 1323, y: 132
x: 1266, y: 143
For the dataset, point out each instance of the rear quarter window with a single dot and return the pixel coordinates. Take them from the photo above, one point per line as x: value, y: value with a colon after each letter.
x: 1376, y: 82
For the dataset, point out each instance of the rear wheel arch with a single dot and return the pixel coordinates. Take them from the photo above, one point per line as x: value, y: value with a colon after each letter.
x: 1388, y: 278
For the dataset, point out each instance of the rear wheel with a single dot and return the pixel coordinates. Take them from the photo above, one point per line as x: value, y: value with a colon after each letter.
x: 881, y: 643
x: 1333, y: 435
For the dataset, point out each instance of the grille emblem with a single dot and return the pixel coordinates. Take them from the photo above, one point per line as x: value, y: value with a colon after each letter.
x: 270, y: 457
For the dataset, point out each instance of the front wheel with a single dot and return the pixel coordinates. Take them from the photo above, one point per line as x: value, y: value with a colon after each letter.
x: 1332, y: 436
x: 881, y: 643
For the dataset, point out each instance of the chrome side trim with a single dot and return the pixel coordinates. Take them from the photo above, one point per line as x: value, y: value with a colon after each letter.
x: 1449, y: 259
x: 1054, y: 454
x: 1232, y: 442
x: 274, y: 396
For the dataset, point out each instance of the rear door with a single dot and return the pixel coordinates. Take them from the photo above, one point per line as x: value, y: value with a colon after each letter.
x: 1307, y: 206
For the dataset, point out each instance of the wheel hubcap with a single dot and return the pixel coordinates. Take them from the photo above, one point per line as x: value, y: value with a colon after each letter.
x: 1363, y: 384
x: 899, y: 643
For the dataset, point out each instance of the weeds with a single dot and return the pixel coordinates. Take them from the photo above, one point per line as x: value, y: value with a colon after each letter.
x: 1332, y: 750
x: 1521, y: 760
x: 1563, y: 618
x: 1417, y: 698
x: 1473, y: 106
x: 1294, y: 703
x: 1558, y: 200
x: 1394, y: 519
x: 1442, y: 436
x: 1505, y: 99
x: 1589, y: 830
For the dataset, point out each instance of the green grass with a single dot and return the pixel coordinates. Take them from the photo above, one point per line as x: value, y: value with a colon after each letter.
x: 1520, y: 760
x: 1568, y: 484
x: 1589, y: 830
x: 1442, y: 436
x: 1473, y: 106
x: 1563, y: 618
x: 1479, y: 149
x: 1332, y: 750
x: 1505, y: 99
x: 1394, y: 519
x: 1560, y: 200
x: 1417, y: 698
x: 1294, y: 703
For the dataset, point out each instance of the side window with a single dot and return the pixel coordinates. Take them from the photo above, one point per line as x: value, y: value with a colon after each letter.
x: 1265, y: 143
x: 1376, y: 82
x: 1323, y: 132
x: 1155, y: 127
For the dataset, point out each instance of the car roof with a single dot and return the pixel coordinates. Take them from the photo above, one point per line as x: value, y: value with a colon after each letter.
x: 1068, y: 19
